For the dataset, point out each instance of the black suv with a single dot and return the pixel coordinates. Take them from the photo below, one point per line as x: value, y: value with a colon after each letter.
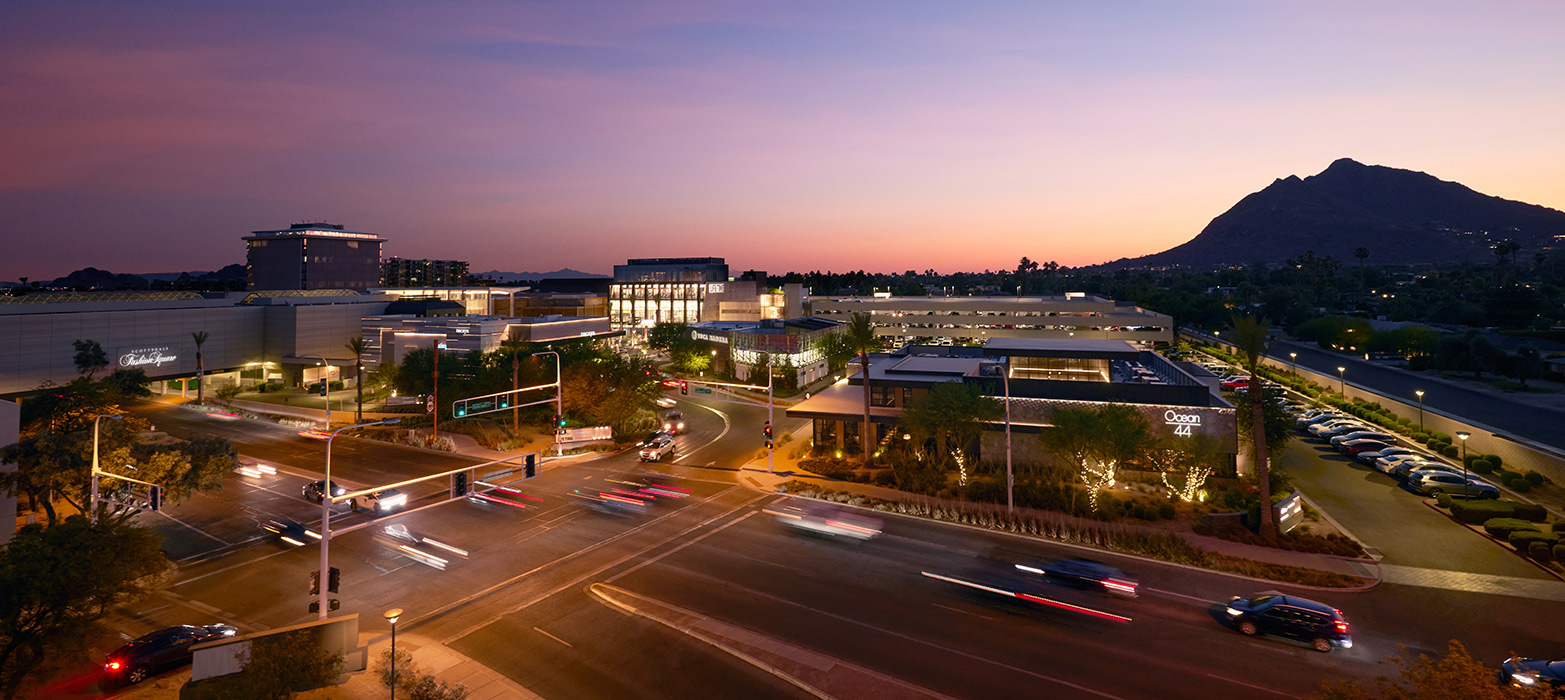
x: 165, y: 648
x: 314, y: 489
x: 1317, y: 624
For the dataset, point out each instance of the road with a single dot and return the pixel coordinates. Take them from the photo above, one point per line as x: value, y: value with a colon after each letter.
x: 519, y: 604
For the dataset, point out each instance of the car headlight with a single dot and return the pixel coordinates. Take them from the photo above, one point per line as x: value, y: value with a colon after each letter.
x: 1235, y: 612
x: 1527, y: 678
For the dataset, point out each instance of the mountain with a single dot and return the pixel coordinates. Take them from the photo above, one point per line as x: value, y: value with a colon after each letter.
x: 503, y: 276
x: 1401, y: 216
x: 93, y: 278
x: 235, y: 271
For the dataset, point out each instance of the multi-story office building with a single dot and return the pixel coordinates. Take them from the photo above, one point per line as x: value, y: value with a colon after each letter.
x: 974, y: 320
x: 649, y: 291
x: 403, y: 272
x: 313, y: 256
x: 393, y: 335
x: 800, y: 344
x: 1037, y: 377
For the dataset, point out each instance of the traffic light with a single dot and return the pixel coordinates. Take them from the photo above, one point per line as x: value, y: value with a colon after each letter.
x: 459, y: 484
x: 768, y: 430
x: 333, y: 580
x: 530, y: 467
x: 155, y: 498
x: 684, y: 388
x: 315, y: 583
x: 333, y: 604
x: 323, y: 387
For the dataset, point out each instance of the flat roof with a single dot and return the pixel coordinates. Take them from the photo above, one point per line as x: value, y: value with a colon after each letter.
x: 1061, y: 347
x: 838, y: 400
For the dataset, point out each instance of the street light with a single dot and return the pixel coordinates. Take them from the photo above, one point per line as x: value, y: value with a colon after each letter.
x: 1463, y: 435
x: 325, y: 384
x: 1010, y: 481
x: 391, y: 616
x: 559, y: 393
x: 326, y: 504
x: 1342, y: 381
x: 1295, y: 357
x: 1420, y: 393
x: 93, y: 505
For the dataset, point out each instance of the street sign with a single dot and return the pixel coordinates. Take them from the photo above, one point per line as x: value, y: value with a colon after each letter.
x: 704, y: 391
x: 429, y: 404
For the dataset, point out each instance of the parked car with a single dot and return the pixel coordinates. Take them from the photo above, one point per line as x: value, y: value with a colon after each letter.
x: 1432, y: 483
x: 154, y: 652
x: 1370, y: 434
x: 1370, y: 456
x: 379, y: 502
x: 656, y: 450
x: 314, y: 489
x: 1352, y: 448
x: 1237, y: 383
x: 1389, y: 463
x: 1317, y: 624
x: 1316, y: 427
x: 1305, y: 424
x: 1404, y: 469
x: 1522, y: 672
x: 1336, y: 429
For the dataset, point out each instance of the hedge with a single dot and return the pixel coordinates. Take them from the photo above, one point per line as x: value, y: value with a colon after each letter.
x: 1557, y: 526
x: 1522, y: 539
x: 1502, y: 528
x: 1496, y: 460
x: 1521, y: 485
x: 1534, y: 478
x: 1450, y: 451
x: 1479, y: 512
x: 1482, y: 466
x: 1539, y: 550
x: 1559, y: 552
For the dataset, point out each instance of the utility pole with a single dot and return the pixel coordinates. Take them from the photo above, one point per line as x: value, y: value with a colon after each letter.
x: 92, y: 506
x: 1010, y: 478
x: 770, y: 445
x: 559, y: 398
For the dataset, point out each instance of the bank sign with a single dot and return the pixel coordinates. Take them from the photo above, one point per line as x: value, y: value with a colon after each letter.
x: 147, y: 358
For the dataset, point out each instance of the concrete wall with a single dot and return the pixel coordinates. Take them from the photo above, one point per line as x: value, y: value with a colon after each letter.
x: 225, y: 656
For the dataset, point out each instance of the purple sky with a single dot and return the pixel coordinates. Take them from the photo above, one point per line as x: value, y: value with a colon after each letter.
x: 148, y: 137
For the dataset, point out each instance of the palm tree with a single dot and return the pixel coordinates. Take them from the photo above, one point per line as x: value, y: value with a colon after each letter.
x: 1251, y: 341
x: 1361, y: 253
x: 200, y: 338
x: 357, y: 346
x: 515, y: 344
x: 861, y: 336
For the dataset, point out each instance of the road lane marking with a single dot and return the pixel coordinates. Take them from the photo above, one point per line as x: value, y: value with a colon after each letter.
x: 204, y: 533
x: 230, y: 567
x: 726, y: 426
x: 1251, y: 685
x: 1171, y: 594
x: 964, y: 612
x: 557, y: 639
x: 703, y: 536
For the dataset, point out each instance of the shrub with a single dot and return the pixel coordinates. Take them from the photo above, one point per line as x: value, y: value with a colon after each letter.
x: 1559, y: 552
x: 1420, y: 438
x: 1469, y: 459
x: 1522, y: 539
x: 985, y: 491
x: 1557, y: 526
x: 1506, y: 477
x: 1534, y: 478
x: 1443, y: 500
x: 1482, y: 466
x: 1450, y: 451
x: 1496, y: 460
x: 1479, y: 512
x: 1502, y: 528
x: 1527, y: 511
x: 1520, y: 485
x: 1539, y: 550
x: 1166, y: 512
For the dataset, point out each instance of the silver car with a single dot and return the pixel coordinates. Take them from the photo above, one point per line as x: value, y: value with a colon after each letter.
x: 1433, y: 483
x: 1407, y: 469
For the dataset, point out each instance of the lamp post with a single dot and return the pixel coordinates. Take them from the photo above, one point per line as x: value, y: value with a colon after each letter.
x: 1420, y: 393
x: 326, y: 504
x: 92, y: 506
x: 434, y: 392
x: 1295, y: 357
x: 1463, y: 435
x: 1010, y: 480
x: 325, y: 386
x: 391, y: 616
x: 770, y: 450
x: 1342, y: 381
x: 559, y: 394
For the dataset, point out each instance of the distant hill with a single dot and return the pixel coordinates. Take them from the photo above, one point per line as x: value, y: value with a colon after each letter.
x: 1401, y: 216
x: 229, y: 272
x: 563, y: 273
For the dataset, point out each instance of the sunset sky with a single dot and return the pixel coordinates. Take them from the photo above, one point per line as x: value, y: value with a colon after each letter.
x: 151, y: 136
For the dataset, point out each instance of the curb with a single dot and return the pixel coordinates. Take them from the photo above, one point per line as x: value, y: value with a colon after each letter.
x: 1126, y: 555
x: 1478, y: 530
x: 599, y: 590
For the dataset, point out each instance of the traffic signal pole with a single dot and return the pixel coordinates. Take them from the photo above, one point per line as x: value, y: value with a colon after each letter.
x: 770, y: 448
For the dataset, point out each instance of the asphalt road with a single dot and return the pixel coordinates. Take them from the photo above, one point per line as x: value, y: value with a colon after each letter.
x: 1537, y: 423
x: 517, y: 602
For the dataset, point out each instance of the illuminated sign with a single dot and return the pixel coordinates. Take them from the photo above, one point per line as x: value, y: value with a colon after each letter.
x: 714, y: 288
x: 148, y: 357
x: 709, y: 337
x: 1183, y: 422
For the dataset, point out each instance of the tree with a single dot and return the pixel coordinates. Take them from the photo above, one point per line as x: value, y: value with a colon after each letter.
x: 1251, y: 341
x: 228, y: 392
x: 861, y: 336
x: 55, y: 582
x: 1094, y: 442
x: 200, y: 338
x: 1362, y: 254
x: 950, y: 419
x: 1185, y: 463
x: 357, y: 346
x: 281, y: 664
x: 89, y: 358
x: 514, y: 345
x: 1455, y: 676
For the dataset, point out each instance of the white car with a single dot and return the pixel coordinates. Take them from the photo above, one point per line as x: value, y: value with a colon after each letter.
x: 1370, y: 456
x: 1319, y: 428
x: 826, y: 519
x: 1389, y: 463
x: 665, y: 402
x: 380, y: 502
x: 656, y: 450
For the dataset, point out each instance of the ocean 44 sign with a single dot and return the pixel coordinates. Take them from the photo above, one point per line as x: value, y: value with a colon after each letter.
x: 1184, y: 424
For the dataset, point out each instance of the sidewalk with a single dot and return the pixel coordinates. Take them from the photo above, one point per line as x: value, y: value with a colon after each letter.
x: 817, y: 674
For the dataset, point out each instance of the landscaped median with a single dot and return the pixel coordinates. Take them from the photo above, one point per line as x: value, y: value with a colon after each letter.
x: 1163, y: 545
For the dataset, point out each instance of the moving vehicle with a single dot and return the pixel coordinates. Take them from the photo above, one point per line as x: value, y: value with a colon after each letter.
x: 156, y: 651
x: 1290, y: 617
x: 313, y: 490
x: 665, y: 402
x: 1522, y: 672
x: 826, y: 519
x: 656, y: 450
x: 379, y: 502
x: 1435, y: 483
x: 674, y: 422
x: 651, y: 437
x: 1086, y: 574
x: 291, y: 531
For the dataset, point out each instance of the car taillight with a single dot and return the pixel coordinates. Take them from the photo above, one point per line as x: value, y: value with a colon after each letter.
x: 1342, y: 626
x: 112, y: 666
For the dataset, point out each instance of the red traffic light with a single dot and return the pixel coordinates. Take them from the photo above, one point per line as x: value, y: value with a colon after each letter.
x: 684, y: 388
